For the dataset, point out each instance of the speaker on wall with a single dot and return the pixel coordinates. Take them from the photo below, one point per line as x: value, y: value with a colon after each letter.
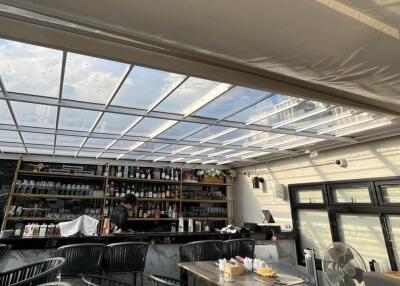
x: 280, y: 191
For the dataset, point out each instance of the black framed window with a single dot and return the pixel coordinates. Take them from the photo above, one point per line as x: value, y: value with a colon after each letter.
x: 362, y: 213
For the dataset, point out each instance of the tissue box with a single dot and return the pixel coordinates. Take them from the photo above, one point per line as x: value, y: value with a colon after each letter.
x: 234, y: 269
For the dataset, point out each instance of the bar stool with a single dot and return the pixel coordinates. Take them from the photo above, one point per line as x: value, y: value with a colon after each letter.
x: 243, y: 247
x: 96, y: 280
x: 201, y: 251
x: 156, y: 280
x: 84, y: 258
x: 126, y: 257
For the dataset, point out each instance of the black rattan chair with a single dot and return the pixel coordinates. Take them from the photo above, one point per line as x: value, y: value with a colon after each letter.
x: 156, y: 280
x: 243, y: 247
x: 96, y: 280
x: 84, y: 258
x: 201, y: 251
x: 33, y: 274
x: 126, y: 257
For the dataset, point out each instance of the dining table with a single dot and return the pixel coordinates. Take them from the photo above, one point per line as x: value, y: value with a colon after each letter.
x: 208, y: 273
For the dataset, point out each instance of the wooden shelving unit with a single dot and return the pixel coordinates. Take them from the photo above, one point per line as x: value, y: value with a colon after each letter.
x: 104, y: 181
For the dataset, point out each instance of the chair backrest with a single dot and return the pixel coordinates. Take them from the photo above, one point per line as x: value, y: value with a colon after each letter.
x: 201, y: 251
x: 84, y: 258
x: 96, y: 280
x: 243, y: 247
x: 125, y: 257
x: 156, y: 280
x: 33, y: 274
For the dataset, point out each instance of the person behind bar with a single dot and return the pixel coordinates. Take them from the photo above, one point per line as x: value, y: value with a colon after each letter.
x: 119, y: 216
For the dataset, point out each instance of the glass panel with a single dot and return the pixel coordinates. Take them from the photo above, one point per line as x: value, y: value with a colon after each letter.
x: 299, y: 143
x: 40, y: 151
x: 144, y: 86
x: 110, y: 155
x: 90, y: 154
x: 390, y: 193
x: 333, y: 127
x: 234, y: 135
x: 203, y: 134
x: 113, y: 123
x: 314, y: 230
x: 176, y: 149
x: 97, y: 143
x: 10, y: 149
x: 122, y: 145
x: 65, y: 152
x: 38, y: 138
x: 35, y: 115
x: 233, y: 100
x: 30, y: 69
x: 351, y: 194
x: 134, y: 156
x: 181, y: 130
x: 218, y: 152
x: 91, y: 79
x: 265, y: 107
x: 309, y: 196
x: 364, y: 125
x: 364, y: 234
x: 151, y: 147
x: 69, y: 141
x: 187, y: 94
x: 149, y: 127
x: 292, y: 113
x: 77, y: 119
x: 9, y: 136
x: 5, y: 115
x: 260, y: 139
x: 277, y: 141
x: 394, y: 232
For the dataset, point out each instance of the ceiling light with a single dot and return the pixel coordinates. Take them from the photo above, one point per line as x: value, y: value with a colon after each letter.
x: 220, y: 152
x: 261, y: 117
x: 214, y: 93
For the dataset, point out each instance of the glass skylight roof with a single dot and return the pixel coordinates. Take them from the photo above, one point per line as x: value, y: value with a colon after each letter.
x: 119, y: 110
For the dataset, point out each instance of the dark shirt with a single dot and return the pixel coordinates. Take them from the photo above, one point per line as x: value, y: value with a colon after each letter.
x: 119, y: 218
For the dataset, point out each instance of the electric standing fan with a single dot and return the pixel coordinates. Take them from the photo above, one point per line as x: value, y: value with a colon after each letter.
x: 343, y: 265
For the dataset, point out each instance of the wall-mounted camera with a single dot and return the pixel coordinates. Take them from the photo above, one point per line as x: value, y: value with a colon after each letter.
x: 258, y: 182
x: 341, y: 163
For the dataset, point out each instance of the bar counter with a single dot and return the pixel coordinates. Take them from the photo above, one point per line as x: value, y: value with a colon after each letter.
x: 151, y: 237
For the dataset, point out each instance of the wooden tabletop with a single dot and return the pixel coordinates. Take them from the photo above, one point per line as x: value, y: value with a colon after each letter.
x: 209, y: 272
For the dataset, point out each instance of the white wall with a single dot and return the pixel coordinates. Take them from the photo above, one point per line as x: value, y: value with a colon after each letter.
x: 369, y: 160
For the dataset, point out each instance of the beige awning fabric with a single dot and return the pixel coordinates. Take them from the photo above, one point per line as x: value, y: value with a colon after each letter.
x: 344, y: 52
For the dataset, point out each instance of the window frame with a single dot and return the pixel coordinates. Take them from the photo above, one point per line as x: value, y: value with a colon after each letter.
x: 377, y: 206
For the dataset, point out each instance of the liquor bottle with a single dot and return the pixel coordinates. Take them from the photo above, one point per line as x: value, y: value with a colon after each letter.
x: 172, y: 175
x: 128, y: 190
x: 167, y: 174
x: 141, y: 192
x: 172, y: 192
x: 112, y: 171
x: 152, y: 210
x: 163, y: 193
x: 167, y: 192
x: 158, y: 212
x: 119, y: 172
x: 112, y: 189
x: 126, y: 172
x: 150, y: 193
x: 135, y: 191
x: 148, y: 173
x: 130, y: 172
x: 176, y: 193
x: 174, y: 212
x: 162, y: 210
x: 142, y: 174
x: 105, y: 210
x: 123, y: 192
x: 137, y: 174
x: 163, y: 174
x: 106, y: 170
x: 145, y: 211
x: 140, y: 211
x: 176, y: 175
x: 117, y: 193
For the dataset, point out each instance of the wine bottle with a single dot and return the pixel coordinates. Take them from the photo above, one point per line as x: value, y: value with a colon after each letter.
x: 158, y: 212
x: 163, y: 193
x: 112, y: 171
x: 163, y: 174
x: 140, y: 211
x: 167, y: 192
x: 167, y: 174
x: 150, y: 193
x: 123, y: 192
x: 142, y: 174
x: 137, y: 174
x: 176, y: 175
x: 148, y: 174
x: 142, y: 192
x: 130, y: 175
x: 126, y: 172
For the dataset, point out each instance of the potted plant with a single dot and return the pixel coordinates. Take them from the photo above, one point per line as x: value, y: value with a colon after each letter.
x: 211, y: 176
